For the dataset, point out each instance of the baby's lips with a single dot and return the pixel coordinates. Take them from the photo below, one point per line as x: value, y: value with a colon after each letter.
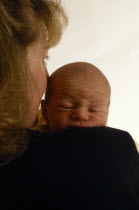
x: 80, y: 124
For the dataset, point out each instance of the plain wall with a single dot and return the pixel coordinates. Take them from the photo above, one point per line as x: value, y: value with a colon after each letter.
x: 106, y: 33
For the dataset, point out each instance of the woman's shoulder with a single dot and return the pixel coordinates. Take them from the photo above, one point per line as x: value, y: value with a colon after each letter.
x: 137, y: 145
x: 88, y: 134
x: 75, y: 159
x: 106, y: 136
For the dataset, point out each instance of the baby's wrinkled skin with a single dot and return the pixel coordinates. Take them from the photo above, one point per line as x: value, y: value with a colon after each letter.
x: 78, y: 95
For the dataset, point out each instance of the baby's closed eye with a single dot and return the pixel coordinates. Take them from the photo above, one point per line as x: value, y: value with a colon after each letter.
x: 65, y: 106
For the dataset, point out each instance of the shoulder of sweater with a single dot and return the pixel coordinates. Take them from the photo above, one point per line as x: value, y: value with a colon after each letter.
x: 137, y: 145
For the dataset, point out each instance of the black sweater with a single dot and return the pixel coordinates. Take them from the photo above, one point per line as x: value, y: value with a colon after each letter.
x: 79, y: 168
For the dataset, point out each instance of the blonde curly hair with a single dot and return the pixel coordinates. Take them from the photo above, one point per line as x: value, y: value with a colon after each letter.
x: 22, y: 23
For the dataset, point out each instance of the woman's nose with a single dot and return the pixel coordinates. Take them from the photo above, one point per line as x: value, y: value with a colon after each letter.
x: 80, y: 115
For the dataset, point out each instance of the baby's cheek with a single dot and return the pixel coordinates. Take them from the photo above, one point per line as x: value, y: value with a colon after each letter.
x: 64, y: 120
x: 60, y: 121
x: 99, y: 120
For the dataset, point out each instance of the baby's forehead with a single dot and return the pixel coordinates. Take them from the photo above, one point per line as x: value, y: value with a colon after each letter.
x: 75, y: 89
x: 81, y: 73
x: 82, y: 79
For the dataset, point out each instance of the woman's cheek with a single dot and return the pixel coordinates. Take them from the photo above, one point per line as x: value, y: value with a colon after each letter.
x: 41, y: 81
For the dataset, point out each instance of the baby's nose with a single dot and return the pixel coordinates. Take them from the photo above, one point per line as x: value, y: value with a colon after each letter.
x: 80, y: 115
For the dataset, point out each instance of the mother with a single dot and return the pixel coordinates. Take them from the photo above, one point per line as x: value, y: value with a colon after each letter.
x: 28, y: 29
x: 90, y: 168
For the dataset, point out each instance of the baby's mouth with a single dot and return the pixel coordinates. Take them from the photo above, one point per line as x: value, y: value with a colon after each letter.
x: 80, y: 125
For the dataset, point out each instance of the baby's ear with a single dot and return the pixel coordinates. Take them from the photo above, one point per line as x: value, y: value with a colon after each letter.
x: 44, y: 110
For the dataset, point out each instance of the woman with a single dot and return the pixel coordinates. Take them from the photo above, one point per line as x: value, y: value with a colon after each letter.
x: 28, y: 29
x: 90, y: 168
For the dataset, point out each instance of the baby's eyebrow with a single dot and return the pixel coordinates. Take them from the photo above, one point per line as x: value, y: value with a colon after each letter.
x: 67, y: 96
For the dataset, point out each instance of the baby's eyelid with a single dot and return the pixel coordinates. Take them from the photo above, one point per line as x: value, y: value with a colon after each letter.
x: 91, y: 109
x: 65, y: 107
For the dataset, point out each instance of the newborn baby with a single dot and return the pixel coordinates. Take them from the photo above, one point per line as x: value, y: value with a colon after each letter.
x: 78, y: 95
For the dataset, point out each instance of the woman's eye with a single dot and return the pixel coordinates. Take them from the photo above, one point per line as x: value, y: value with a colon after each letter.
x: 46, y: 59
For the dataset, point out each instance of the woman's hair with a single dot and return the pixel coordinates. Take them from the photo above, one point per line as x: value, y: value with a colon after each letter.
x: 22, y: 23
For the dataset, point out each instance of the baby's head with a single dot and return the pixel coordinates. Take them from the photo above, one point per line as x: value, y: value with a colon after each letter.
x: 78, y: 95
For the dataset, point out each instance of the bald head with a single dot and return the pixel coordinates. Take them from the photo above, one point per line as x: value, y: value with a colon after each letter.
x: 80, y: 71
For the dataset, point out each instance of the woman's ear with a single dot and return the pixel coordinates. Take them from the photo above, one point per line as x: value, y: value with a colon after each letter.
x: 44, y: 110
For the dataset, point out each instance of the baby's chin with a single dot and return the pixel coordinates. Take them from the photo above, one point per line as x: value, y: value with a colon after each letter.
x: 77, y: 125
x: 82, y: 125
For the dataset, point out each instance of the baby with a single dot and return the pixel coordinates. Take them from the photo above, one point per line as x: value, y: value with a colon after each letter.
x: 78, y: 95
